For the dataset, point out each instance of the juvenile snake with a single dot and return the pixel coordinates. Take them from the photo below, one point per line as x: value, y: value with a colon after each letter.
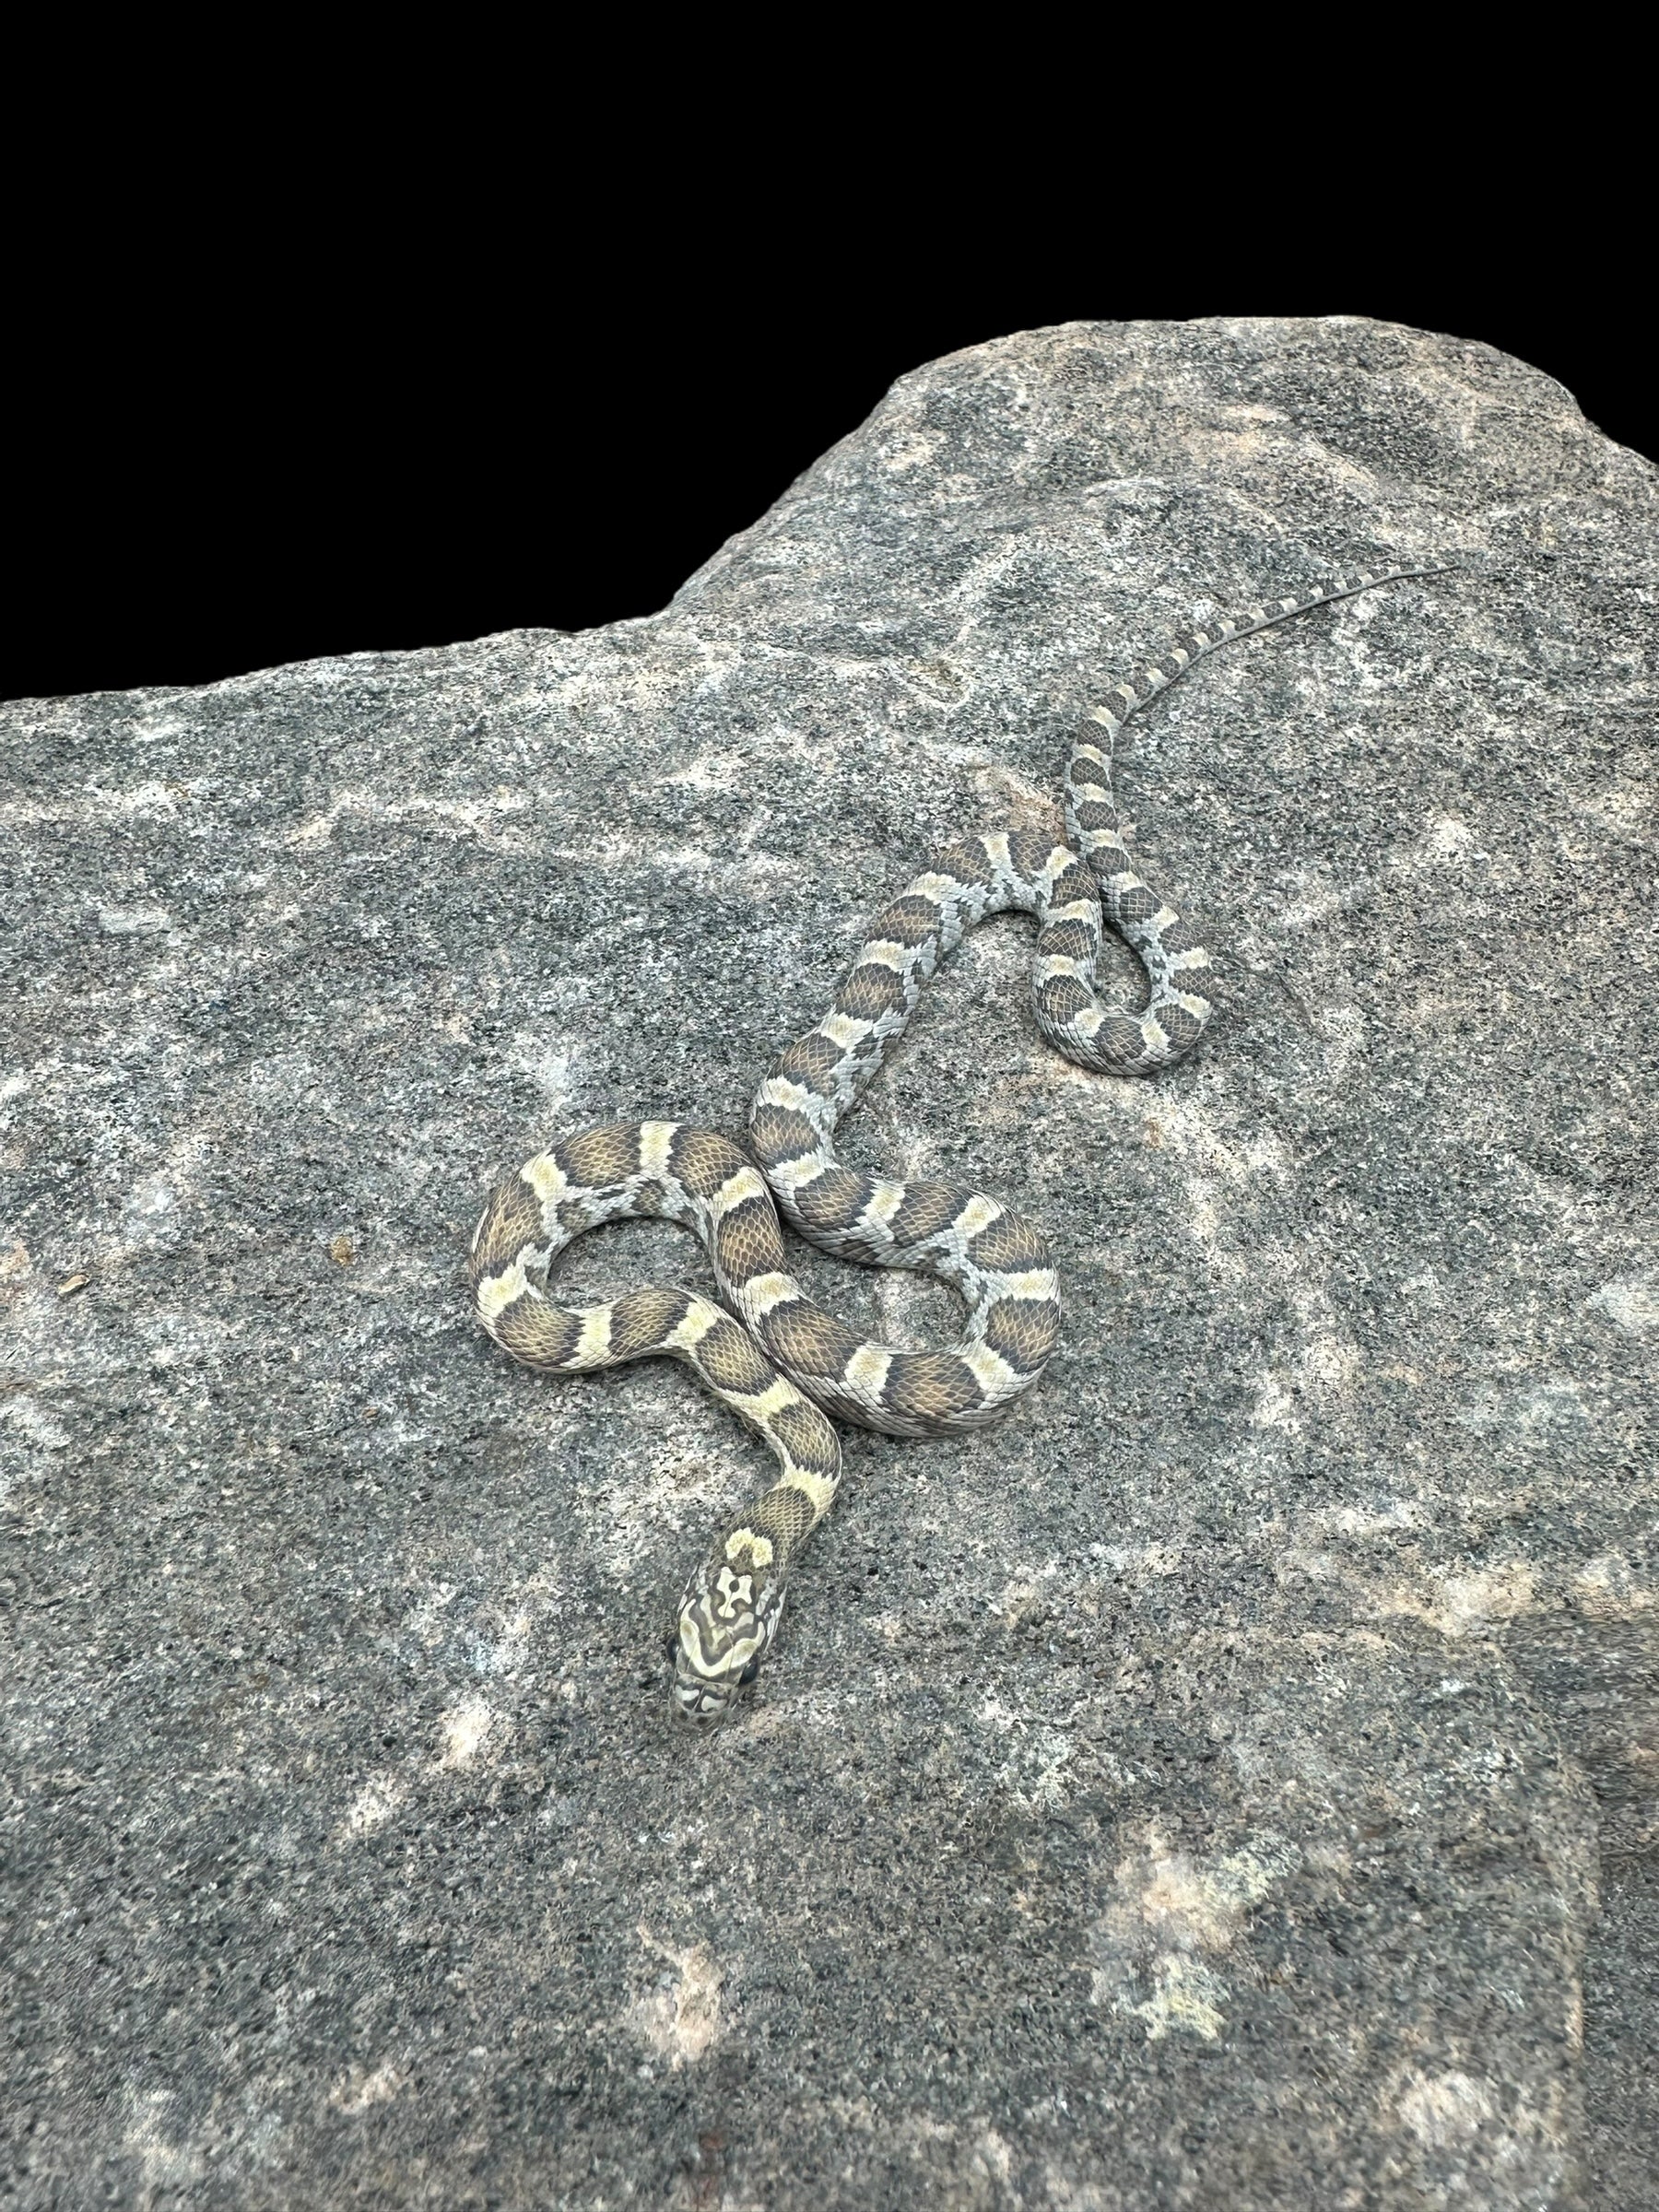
x: 776, y: 1358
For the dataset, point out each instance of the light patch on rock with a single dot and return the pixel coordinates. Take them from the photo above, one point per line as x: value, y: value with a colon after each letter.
x: 906, y: 1305
x: 1222, y: 1180
x: 1632, y: 1306
x: 361, y: 2087
x: 1034, y: 1774
x: 163, y: 2163
x: 1330, y: 1365
x: 1610, y: 1588
x: 1173, y: 1910
x: 1465, y: 1605
x: 1265, y: 1154
x: 424, y: 1619
x: 146, y: 1209
x: 1275, y: 1407
x: 1141, y: 1562
x: 1542, y: 1414
x: 281, y: 1077
x: 906, y: 451
x: 1550, y: 1409
x: 150, y: 797
x: 134, y: 921
x: 1308, y: 912
x: 1342, y: 1033
x: 709, y: 772
x: 681, y: 2017
x: 1066, y: 2193
x: 466, y: 1727
x: 157, y: 725
x: 1205, y: 1218
x: 374, y: 1804
x: 1023, y: 1594
x: 971, y: 2157
x: 25, y: 1413
x: 1386, y: 1519
x: 1185, y: 1127
x: 1186, y: 1998
x: 1445, y: 2111
x: 941, y: 682
x: 180, y: 1337
x: 1002, y: 791
x: 35, y: 1431
x: 1446, y: 837
x: 473, y: 818
x: 967, y: 2164
x: 994, y: 2154
x: 505, y: 1655
x: 551, y: 1070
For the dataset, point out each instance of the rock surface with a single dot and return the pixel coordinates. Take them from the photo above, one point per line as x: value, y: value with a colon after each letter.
x: 1195, y: 1789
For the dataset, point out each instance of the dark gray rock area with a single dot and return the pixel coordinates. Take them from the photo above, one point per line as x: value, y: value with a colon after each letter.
x: 1197, y: 1790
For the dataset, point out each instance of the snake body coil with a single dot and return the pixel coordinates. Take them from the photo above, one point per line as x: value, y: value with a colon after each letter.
x: 775, y: 1357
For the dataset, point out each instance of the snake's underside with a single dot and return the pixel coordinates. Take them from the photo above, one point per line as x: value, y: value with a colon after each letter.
x: 768, y: 1351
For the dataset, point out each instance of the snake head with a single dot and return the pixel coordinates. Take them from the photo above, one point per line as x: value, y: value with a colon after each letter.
x: 728, y: 1617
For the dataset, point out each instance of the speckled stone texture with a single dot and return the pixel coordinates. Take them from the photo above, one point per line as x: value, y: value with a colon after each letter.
x: 1193, y: 1791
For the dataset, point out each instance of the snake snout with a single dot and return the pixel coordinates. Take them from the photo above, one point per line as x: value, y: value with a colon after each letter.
x: 700, y: 1703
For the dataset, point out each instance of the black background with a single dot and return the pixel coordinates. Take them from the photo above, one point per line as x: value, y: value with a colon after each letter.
x: 231, y: 453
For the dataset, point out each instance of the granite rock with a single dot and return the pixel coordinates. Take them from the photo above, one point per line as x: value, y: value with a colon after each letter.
x: 1196, y: 1789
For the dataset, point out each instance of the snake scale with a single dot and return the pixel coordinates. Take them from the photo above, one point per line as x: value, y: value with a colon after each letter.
x: 768, y: 1351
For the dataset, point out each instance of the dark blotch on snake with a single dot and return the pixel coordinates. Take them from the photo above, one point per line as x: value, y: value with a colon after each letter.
x: 1031, y: 851
x: 1178, y: 1024
x: 807, y: 1340
x: 511, y: 1219
x: 601, y: 1156
x: 536, y: 1333
x: 929, y: 1385
x: 1135, y: 903
x: 927, y: 1209
x: 1009, y: 1244
x: 703, y: 1162
x: 783, y: 1514
x: 1121, y: 1038
x: 780, y: 1134
x: 1094, y: 813
x: 1061, y: 998
x: 1067, y: 940
x: 964, y: 858
x: 809, y: 1437
x: 834, y: 1199
x: 869, y: 993
x: 1072, y: 884
x: 1024, y: 1331
x: 811, y: 1060
x: 640, y: 1319
x: 908, y: 922
x: 730, y: 1360
x: 747, y: 1242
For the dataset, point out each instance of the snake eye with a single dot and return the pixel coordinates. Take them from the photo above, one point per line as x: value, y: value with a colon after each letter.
x: 748, y: 1674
